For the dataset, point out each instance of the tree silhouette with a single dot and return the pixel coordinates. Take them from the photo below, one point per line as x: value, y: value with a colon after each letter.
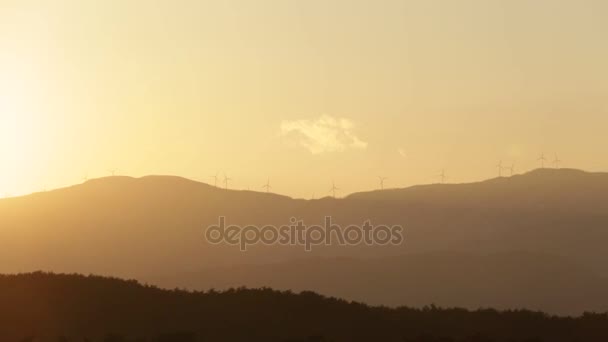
x: 39, y: 304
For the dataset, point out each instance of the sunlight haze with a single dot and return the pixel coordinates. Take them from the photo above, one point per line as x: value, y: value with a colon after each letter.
x: 301, y: 92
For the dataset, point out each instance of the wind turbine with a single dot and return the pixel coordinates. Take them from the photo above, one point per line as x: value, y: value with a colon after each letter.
x: 556, y: 162
x: 500, y: 167
x: 442, y: 176
x: 333, y: 188
x: 226, y: 180
x: 215, y: 178
x: 267, y: 185
x: 382, y: 179
x: 113, y: 171
x: 512, y: 168
x: 542, y: 160
x: 85, y: 178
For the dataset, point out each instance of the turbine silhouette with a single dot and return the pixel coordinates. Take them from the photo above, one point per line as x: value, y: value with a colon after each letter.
x: 215, y: 178
x: 226, y: 180
x: 333, y: 189
x: 542, y: 160
x: 267, y: 186
x: 382, y: 179
x: 500, y: 167
x: 556, y: 162
x: 442, y: 176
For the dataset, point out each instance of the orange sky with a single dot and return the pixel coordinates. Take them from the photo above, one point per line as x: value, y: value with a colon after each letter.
x: 302, y: 92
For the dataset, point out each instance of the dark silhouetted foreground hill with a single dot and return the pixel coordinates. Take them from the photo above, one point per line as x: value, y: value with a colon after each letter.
x: 153, y: 226
x: 77, y: 307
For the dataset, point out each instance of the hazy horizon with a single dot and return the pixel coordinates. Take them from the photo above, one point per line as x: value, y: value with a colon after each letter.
x: 302, y: 92
x: 303, y: 170
x: 220, y: 185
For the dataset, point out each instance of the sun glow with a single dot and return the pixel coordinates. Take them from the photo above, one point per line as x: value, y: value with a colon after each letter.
x: 20, y: 132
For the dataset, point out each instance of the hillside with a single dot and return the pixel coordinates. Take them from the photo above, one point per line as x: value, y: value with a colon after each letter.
x: 46, y: 306
x: 152, y: 227
x: 575, y: 190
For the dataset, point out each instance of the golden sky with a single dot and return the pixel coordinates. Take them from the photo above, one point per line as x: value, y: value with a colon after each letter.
x: 300, y: 91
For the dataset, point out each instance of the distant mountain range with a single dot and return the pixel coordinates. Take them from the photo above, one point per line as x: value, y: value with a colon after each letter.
x: 535, y: 240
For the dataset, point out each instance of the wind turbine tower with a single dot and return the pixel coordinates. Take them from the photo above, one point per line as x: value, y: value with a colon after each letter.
x: 542, y: 160
x: 226, y: 180
x: 333, y: 189
x: 382, y: 179
x: 442, y: 176
x: 215, y: 178
x: 557, y: 162
x: 267, y: 186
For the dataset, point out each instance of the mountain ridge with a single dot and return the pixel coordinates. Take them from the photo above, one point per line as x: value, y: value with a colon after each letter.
x: 536, y: 174
x: 154, y: 226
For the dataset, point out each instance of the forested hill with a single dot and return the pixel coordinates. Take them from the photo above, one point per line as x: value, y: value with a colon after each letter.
x: 52, y: 307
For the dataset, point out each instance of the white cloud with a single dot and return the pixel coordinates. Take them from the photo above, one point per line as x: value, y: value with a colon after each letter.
x: 325, y: 134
